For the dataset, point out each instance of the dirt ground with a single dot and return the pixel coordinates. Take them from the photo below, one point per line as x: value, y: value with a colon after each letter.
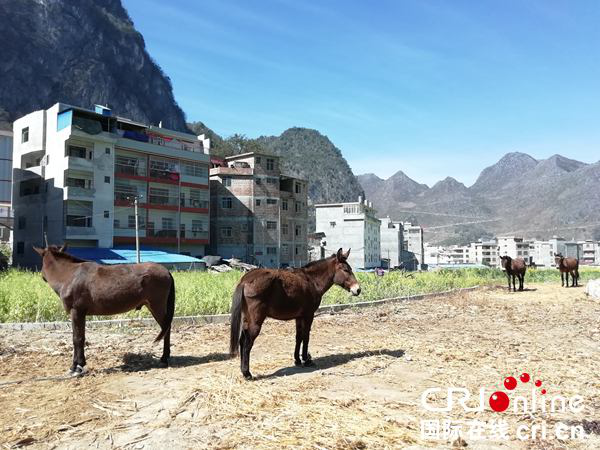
x: 371, y: 368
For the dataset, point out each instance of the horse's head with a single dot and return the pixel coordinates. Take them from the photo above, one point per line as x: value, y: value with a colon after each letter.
x: 558, y: 259
x: 505, y: 261
x: 50, y: 249
x: 343, y: 276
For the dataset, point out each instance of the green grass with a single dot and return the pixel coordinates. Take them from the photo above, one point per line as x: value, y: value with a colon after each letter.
x: 25, y: 297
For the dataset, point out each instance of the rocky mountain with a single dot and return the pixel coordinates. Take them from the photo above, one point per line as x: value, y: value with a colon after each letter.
x: 80, y: 52
x: 517, y: 195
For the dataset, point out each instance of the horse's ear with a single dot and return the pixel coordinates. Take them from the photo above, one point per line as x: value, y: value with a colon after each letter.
x: 347, y: 254
x: 63, y: 248
x: 340, y: 254
x: 39, y: 251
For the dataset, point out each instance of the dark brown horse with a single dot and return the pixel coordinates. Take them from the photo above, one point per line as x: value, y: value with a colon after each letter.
x: 285, y: 295
x: 89, y: 288
x: 514, y: 268
x: 567, y: 266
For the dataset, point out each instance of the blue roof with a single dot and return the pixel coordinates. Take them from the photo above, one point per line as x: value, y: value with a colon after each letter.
x: 128, y: 256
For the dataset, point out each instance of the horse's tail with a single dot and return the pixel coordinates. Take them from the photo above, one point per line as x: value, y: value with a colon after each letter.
x: 236, y: 319
x: 166, y: 326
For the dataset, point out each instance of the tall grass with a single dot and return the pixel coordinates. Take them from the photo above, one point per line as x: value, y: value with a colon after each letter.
x: 25, y: 297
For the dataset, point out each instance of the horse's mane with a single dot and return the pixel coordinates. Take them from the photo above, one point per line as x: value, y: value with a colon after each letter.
x: 62, y: 255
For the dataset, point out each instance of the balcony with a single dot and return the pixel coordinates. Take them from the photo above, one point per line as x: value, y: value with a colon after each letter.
x: 166, y: 175
x: 75, y: 192
x: 75, y: 162
x: 75, y: 232
x: 193, y: 203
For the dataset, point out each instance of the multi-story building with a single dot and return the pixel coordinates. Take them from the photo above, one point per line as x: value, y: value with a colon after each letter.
x: 541, y: 253
x: 590, y: 252
x: 485, y: 252
x: 435, y: 255
x: 513, y: 246
x: 258, y: 215
x: 352, y: 225
x: 76, y: 174
x: 392, y: 242
x: 413, y: 238
x: 6, y: 216
x: 459, y: 254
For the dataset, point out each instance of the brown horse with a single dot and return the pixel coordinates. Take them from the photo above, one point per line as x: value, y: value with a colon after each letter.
x: 285, y: 295
x: 567, y: 266
x: 89, y: 288
x: 515, y: 268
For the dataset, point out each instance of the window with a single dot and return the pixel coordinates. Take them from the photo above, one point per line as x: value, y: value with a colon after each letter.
x: 271, y: 250
x: 227, y: 181
x: 258, y: 181
x: 194, y: 169
x: 226, y: 232
x: 79, y: 221
x: 24, y: 135
x: 197, y: 225
x: 258, y: 160
x: 244, y: 227
x: 257, y: 202
x: 297, y: 249
x: 107, y: 179
x: 284, y: 249
x: 298, y: 207
x: 131, y: 221
x: 284, y: 205
x: 107, y: 150
x: 77, y: 151
x: 168, y: 223
x: 226, y: 203
x: 117, y: 223
x: 271, y: 180
x: 271, y: 201
x: 20, y: 248
x: 270, y: 164
x: 298, y: 188
x: 22, y: 222
x: 197, y: 200
x: 106, y: 214
x: 159, y: 196
x: 298, y: 230
x: 271, y: 225
x: 284, y: 228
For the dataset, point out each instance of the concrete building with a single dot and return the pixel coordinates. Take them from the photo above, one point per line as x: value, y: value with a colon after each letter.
x: 513, y: 246
x: 436, y: 255
x: 6, y: 215
x: 392, y: 243
x: 459, y: 254
x: 541, y: 253
x: 590, y: 252
x: 413, y: 239
x: 352, y: 225
x: 486, y: 253
x: 258, y: 215
x: 76, y: 172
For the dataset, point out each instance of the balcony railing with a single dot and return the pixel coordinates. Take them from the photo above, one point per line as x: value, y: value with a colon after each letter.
x: 164, y: 174
x: 80, y: 231
x: 76, y: 191
x: 193, y: 203
x: 162, y: 200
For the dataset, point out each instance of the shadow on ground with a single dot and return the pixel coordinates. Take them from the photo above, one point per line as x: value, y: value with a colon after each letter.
x: 141, y: 362
x: 327, y: 362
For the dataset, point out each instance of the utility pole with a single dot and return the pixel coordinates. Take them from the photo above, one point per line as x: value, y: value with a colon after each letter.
x: 137, y: 230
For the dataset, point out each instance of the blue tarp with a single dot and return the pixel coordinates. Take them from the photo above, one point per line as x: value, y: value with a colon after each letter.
x: 128, y: 256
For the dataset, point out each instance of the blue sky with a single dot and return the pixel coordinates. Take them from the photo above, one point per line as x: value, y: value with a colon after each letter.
x: 432, y: 88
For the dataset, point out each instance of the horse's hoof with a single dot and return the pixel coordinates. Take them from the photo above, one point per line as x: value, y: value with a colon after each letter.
x: 309, y: 363
x: 297, y: 362
x: 247, y: 375
x: 163, y: 364
x: 78, y: 371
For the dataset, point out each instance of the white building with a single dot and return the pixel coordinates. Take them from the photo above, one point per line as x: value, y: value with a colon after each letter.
x: 542, y: 253
x: 590, y: 252
x: 351, y: 225
x: 76, y: 172
x: 486, y: 253
x: 513, y: 246
x: 6, y: 217
x: 459, y: 254
x: 435, y: 254
x: 413, y: 238
x: 392, y: 242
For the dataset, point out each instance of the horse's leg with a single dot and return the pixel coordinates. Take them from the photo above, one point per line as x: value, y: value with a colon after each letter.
x: 249, y: 334
x: 299, y: 337
x: 307, y: 323
x: 514, y: 280
x: 158, y: 309
x: 567, y: 278
x: 562, y: 279
x: 573, y: 279
x: 521, y: 279
x: 508, y: 278
x: 78, y: 322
